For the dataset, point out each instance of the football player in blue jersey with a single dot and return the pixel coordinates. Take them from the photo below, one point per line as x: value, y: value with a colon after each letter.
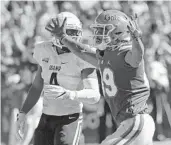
x: 66, y: 82
x: 119, y: 57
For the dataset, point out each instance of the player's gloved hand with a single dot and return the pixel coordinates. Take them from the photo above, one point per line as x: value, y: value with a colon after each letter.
x: 54, y: 27
x: 134, y: 28
x: 20, y: 125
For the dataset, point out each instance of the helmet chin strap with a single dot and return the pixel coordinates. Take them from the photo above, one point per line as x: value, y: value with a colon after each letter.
x: 107, y: 45
x: 106, y: 40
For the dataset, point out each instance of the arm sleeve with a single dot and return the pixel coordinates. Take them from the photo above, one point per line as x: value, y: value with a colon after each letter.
x: 90, y: 93
x: 78, y: 48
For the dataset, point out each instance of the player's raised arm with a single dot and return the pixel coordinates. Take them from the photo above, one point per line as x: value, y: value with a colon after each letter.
x: 74, y: 46
x: 135, y: 56
x: 77, y: 48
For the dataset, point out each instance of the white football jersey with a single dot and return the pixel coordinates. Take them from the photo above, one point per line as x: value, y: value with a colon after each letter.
x: 63, y: 70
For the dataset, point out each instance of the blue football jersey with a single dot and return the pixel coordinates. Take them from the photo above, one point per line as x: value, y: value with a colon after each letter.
x: 126, y: 89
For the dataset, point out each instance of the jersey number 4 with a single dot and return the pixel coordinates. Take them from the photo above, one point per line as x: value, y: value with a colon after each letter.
x: 109, y: 86
x: 53, y: 79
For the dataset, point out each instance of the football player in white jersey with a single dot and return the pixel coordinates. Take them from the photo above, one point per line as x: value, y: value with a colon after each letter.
x: 67, y: 82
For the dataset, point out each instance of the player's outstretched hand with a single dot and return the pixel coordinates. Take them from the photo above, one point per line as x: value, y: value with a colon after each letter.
x: 20, y: 125
x: 134, y: 28
x: 55, y: 29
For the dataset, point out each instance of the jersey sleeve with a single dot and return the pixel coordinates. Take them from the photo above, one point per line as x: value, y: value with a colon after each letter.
x: 41, y: 51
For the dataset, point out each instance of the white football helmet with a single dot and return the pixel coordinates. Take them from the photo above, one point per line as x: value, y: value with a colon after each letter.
x: 73, y: 25
x: 110, y: 29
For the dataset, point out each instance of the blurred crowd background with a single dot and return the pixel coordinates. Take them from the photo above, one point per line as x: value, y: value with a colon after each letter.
x: 22, y: 25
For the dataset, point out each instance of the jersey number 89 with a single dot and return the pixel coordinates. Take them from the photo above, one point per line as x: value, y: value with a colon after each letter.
x: 109, y: 86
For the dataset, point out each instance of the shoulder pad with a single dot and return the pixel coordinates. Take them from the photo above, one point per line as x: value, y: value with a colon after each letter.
x: 41, y: 50
x: 43, y: 44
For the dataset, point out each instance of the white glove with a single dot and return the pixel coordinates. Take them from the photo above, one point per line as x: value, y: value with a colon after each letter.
x: 21, y: 119
x: 55, y: 92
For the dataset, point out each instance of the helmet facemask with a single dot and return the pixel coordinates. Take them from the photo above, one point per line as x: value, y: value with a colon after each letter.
x: 75, y: 34
x: 119, y: 36
x: 108, y: 35
x: 101, y: 35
